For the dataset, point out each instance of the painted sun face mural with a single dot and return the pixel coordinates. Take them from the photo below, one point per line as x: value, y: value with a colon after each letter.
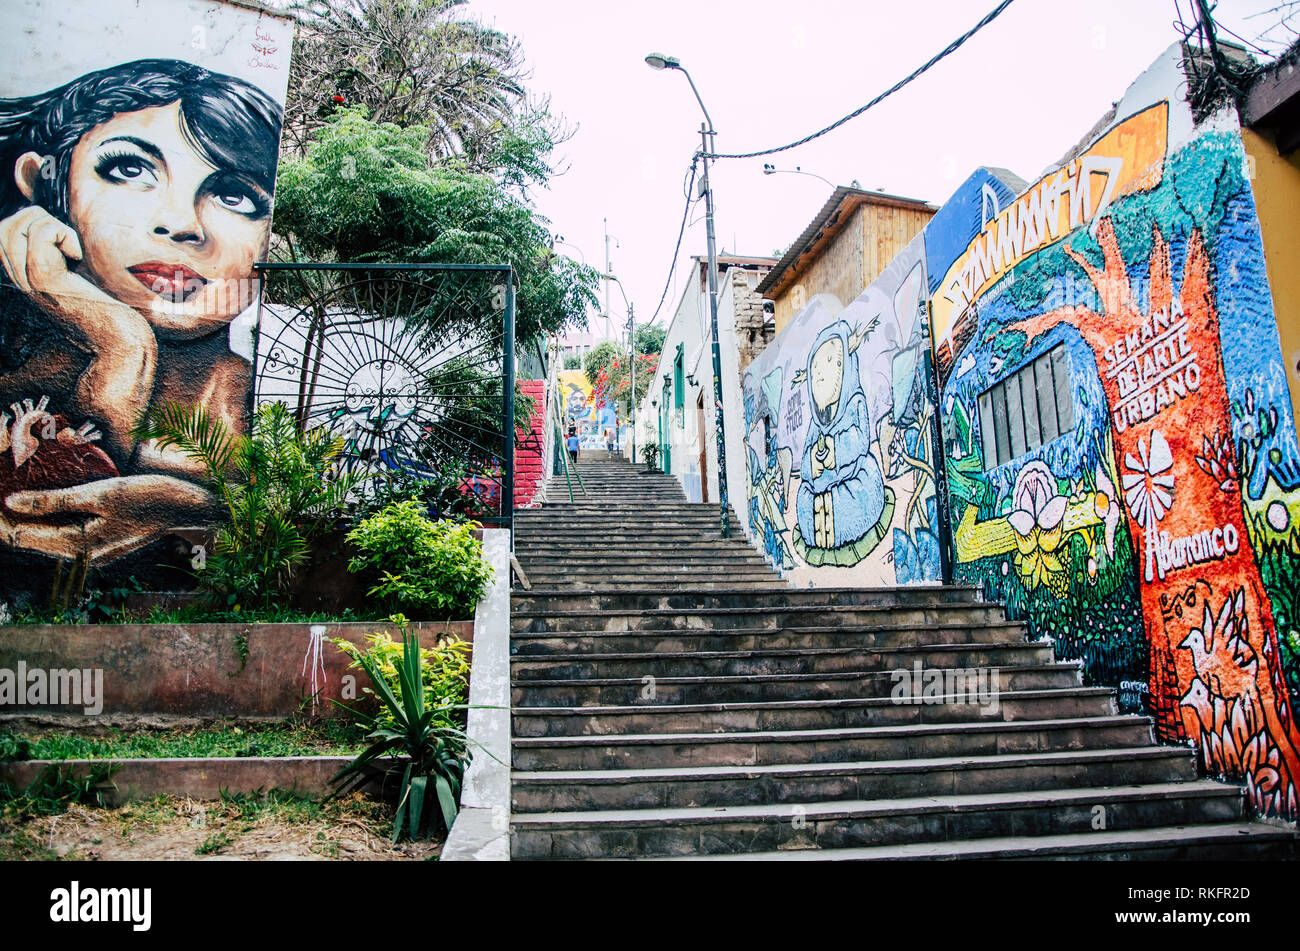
x: 134, y: 201
x: 1151, y: 534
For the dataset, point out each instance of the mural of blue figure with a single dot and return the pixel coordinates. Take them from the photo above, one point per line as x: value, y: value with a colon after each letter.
x: 843, y: 507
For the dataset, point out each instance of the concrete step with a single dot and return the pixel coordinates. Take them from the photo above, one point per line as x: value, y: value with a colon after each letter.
x: 867, y: 823
x: 757, y: 662
x: 593, y: 538
x: 592, y: 560
x: 564, y: 515
x: 603, y: 552
x: 714, y: 576
x: 820, y: 686
x: 827, y: 746
x: 1225, y: 841
x: 525, y: 617
x: 686, y: 786
x: 754, y: 583
x: 676, y: 599
x: 967, y: 704
x: 628, y: 507
x: 668, y: 642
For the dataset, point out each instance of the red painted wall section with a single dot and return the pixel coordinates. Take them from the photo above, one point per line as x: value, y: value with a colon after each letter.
x: 528, y: 448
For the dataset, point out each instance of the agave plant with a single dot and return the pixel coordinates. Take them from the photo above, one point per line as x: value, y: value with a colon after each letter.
x: 433, y: 750
x: 279, y: 485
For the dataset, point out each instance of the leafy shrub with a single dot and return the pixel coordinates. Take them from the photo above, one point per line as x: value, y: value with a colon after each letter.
x: 424, y: 567
x: 432, y: 750
x: 444, y: 672
x: 279, y: 486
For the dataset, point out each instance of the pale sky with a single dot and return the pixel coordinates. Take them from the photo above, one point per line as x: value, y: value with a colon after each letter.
x: 1017, y: 95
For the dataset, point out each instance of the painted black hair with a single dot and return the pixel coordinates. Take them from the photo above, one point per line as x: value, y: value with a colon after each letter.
x: 230, y: 122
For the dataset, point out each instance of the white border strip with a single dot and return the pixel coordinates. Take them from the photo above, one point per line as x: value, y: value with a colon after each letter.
x: 482, y: 828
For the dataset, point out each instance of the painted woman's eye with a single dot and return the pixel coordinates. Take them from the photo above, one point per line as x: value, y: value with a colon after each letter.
x: 232, y: 193
x: 238, y: 203
x: 126, y: 168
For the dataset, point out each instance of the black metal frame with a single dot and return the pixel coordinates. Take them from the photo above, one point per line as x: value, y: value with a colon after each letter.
x: 385, y: 334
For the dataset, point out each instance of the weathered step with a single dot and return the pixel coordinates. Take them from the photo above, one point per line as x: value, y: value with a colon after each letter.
x: 615, y: 513
x: 595, y: 562
x: 757, y: 583
x: 563, y: 554
x: 864, y: 823
x: 667, y: 642
x: 827, y: 746
x: 678, y: 787
x: 632, y: 619
x: 678, y: 599
x: 598, y: 536
x: 549, y: 519
x: 1225, y: 841
x: 713, y: 576
x: 976, y: 699
x: 746, y: 663
x: 820, y: 686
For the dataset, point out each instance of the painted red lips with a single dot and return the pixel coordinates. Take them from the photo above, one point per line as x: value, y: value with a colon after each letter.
x: 173, y: 282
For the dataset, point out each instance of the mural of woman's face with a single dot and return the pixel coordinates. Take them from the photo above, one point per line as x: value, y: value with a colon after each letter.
x: 161, y: 228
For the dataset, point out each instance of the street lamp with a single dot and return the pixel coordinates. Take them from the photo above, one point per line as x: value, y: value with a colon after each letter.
x: 769, y: 169
x: 663, y: 61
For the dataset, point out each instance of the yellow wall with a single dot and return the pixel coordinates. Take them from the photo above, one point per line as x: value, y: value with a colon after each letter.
x: 1276, y: 185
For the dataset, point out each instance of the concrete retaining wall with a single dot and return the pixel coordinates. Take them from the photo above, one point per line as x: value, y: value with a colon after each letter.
x: 197, y: 670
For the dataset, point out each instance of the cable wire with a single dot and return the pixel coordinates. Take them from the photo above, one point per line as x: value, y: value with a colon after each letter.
x: 948, y: 50
x: 681, y: 233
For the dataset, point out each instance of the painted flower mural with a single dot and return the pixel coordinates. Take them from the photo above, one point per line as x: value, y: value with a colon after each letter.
x: 1149, y: 484
x: 1039, y: 510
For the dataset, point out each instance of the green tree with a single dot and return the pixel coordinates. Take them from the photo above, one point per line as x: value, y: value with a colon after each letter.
x: 613, y: 383
x: 600, y: 357
x: 411, y: 62
x: 365, y: 191
x: 649, y: 338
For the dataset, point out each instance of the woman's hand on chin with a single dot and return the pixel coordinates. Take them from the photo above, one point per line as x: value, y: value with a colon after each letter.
x: 38, y: 252
x: 113, y: 516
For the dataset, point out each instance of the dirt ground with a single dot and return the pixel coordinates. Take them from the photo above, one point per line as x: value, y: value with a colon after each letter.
x: 242, y: 828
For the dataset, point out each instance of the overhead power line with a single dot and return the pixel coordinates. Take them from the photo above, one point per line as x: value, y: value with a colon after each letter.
x: 948, y: 50
x: 686, y: 214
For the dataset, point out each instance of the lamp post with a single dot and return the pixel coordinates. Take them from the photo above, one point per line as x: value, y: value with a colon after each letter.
x: 769, y: 169
x: 662, y: 61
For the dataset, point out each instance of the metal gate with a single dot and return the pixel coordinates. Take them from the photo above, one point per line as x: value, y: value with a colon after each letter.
x: 413, y: 364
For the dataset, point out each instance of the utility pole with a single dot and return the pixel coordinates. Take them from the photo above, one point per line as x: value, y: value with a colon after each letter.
x: 608, y: 272
x: 706, y: 138
x: 662, y: 61
x: 631, y: 340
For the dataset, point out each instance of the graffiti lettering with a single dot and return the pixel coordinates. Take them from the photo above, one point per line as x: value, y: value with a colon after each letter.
x: 1165, y: 553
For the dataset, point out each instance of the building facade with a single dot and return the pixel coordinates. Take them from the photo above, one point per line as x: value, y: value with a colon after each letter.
x: 1114, y: 380
x: 677, y: 412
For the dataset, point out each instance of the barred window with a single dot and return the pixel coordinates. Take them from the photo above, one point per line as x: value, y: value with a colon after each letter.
x: 1028, y: 409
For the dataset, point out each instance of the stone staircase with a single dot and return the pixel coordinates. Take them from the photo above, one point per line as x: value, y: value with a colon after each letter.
x: 673, y: 698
